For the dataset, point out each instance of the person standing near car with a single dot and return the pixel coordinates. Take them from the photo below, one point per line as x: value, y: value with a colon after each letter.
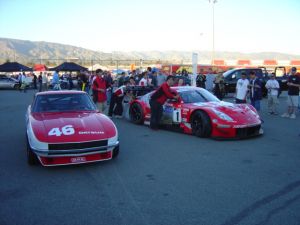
x: 45, y: 82
x: 40, y: 81
x: 34, y: 80
x: 158, y: 98
x: 23, y: 82
x: 255, y: 91
x: 241, y: 89
x: 55, y: 81
x: 272, y: 86
x: 219, y: 86
x: 161, y: 78
x: 99, y: 92
x: 209, y: 83
x: 293, y: 94
x: 200, y: 80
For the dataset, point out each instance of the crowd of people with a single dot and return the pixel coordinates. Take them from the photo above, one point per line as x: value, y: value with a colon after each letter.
x: 110, y: 93
x: 252, y: 89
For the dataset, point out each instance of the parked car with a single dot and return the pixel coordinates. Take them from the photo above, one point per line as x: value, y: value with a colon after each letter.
x: 65, y: 127
x: 8, y: 82
x: 232, y: 76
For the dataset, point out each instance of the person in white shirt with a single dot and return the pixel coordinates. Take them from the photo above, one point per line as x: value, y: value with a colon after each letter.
x: 241, y: 89
x: 209, y: 83
x: 144, y: 81
x: 272, y: 86
x: 23, y: 82
x: 44, y: 82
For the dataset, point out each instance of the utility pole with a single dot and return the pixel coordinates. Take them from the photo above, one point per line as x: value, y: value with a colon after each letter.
x: 213, y: 30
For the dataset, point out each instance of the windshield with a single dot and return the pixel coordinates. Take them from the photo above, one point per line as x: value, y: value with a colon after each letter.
x: 228, y: 72
x: 198, y: 95
x: 63, y: 103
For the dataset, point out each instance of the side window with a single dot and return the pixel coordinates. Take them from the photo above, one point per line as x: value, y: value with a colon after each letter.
x: 236, y: 75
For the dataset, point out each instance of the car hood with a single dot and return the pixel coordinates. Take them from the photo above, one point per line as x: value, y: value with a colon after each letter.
x: 240, y: 113
x: 88, y: 126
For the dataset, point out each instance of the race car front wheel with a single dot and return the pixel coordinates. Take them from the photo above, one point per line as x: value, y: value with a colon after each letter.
x: 136, y: 113
x: 116, y: 151
x: 201, y: 125
x: 31, y: 157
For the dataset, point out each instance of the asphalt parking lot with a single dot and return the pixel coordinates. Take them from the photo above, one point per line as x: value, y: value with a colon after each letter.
x: 159, y: 178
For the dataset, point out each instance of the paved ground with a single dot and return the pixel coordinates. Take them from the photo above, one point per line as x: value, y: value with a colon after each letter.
x: 160, y: 178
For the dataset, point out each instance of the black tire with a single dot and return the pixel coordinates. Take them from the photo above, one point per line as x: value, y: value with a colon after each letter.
x: 31, y: 157
x: 16, y: 86
x: 136, y: 113
x: 201, y: 124
x: 116, y: 151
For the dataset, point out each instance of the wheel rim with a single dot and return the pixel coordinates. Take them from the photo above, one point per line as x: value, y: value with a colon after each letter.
x: 197, y: 125
x: 135, y: 113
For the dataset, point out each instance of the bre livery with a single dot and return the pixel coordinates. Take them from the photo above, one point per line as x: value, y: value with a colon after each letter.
x: 200, y: 113
x: 64, y: 127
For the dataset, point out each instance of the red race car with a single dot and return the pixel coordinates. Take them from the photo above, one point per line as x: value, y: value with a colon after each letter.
x: 200, y: 113
x: 64, y: 127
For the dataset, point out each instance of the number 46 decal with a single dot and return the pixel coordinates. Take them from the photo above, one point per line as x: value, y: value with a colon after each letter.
x: 66, y: 130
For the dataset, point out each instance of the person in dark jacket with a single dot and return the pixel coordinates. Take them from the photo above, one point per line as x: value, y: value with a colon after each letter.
x: 40, y: 81
x: 34, y: 80
x: 255, y: 91
x: 158, y: 98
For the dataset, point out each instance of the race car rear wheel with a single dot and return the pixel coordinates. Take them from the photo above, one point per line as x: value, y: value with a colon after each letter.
x: 116, y: 151
x: 31, y: 157
x: 201, y: 124
x: 136, y: 113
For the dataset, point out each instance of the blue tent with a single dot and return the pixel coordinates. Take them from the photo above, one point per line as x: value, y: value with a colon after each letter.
x: 13, y: 67
x: 69, y: 66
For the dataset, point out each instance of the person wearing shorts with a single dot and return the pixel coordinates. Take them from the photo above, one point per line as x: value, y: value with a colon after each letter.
x: 293, y: 94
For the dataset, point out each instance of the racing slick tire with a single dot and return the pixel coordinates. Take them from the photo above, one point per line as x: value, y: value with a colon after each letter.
x: 201, y: 124
x: 136, y: 113
x: 116, y: 151
x: 31, y: 157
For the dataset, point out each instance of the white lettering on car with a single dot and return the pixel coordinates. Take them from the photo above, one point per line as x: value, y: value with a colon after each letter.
x: 90, y: 132
x: 65, y: 130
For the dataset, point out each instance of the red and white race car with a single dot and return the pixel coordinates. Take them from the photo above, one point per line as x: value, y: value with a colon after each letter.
x: 64, y: 127
x: 200, y: 113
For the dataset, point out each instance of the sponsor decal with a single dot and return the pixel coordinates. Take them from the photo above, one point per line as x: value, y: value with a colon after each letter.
x: 90, y: 132
x: 168, y: 109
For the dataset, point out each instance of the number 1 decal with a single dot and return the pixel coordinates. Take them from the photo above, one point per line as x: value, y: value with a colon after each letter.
x: 66, y: 130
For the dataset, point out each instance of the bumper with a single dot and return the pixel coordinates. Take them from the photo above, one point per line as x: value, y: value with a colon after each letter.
x: 75, y: 156
x: 236, y: 132
x: 72, y: 160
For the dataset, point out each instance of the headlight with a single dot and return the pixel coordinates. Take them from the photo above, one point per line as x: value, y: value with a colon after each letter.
x: 222, y: 116
x: 253, y: 111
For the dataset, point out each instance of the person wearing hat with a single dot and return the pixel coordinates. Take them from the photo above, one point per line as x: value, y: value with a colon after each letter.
x: 293, y: 94
x: 272, y: 86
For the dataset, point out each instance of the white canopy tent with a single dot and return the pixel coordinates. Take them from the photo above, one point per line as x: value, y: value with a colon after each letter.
x: 96, y: 67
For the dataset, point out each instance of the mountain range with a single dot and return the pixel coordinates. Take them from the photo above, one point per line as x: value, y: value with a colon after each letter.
x: 31, y: 52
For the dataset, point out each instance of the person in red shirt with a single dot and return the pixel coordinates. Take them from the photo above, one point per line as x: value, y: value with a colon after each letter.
x: 99, y: 91
x: 158, y: 98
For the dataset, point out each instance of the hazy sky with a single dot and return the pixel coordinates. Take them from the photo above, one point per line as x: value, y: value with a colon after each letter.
x: 116, y: 25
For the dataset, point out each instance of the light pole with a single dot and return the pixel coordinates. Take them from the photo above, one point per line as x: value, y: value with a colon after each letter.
x: 213, y: 30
